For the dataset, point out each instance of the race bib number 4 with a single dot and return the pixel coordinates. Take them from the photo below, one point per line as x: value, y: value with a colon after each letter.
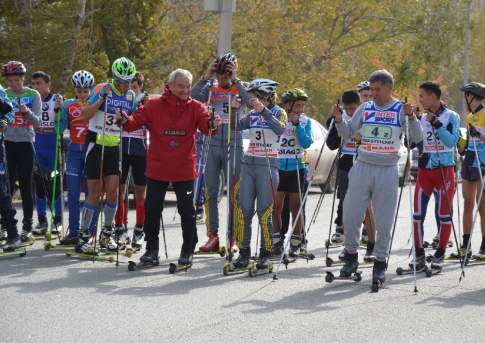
x: 379, y: 139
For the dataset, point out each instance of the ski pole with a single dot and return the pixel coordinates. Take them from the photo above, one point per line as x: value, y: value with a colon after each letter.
x: 120, y: 170
x: 408, y: 162
x: 164, y: 239
x: 228, y: 181
x: 327, y: 243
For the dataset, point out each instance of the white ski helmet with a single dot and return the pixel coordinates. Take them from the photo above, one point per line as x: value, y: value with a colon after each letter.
x: 82, y: 79
x: 263, y: 85
x: 363, y: 86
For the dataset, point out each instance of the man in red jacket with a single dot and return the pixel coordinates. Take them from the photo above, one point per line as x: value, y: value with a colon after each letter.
x: 172, y: 119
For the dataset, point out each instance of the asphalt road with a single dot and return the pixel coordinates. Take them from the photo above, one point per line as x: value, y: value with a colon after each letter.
x: 48, y: 297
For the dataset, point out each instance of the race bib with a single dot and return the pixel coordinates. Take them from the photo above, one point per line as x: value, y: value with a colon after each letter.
x: 431, y: 141
x: 381, y: 129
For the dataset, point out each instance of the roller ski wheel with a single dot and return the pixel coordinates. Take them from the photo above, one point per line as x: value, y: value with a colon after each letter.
x: 400, y: 271
x: 175, y: 268
x: 254, y: 271
x: 20, y: 252
x: 221, y: 252
x: 355, y: 277
x: 132, y: 266
x: 230, y: 269
x: 129, y: 251
x: 97, y: 257
x: 48, y: 245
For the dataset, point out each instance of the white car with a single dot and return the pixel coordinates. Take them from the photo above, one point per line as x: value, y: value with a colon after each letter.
x: 328, y: 156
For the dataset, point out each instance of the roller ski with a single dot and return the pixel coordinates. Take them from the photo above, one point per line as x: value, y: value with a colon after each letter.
x: 211, y: 247
x: 476, y: 258
x: 378, y: 275
x: 98, y: 255
x: 262, y: 266
x: 85, y: 250
x: 19, y: 252
x: 456, y: 256
x: 239, y: 266
x: 184, y: 263
x: 348, y: 272
x: 149, y: 259
x: 67, y: 242
x: 421, y: 267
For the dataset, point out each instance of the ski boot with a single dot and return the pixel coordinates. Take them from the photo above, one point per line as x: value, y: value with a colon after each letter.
x: 212, y: 244
x: 365, y: 238
x: 184, y: 262
x: 57, y: 227
x: 12, y: 244
x: 278, y: 246
x: 438, y: 259
x: 41, y: 227
x: 137, y: 239
x: 337, y: 238
x: 150, y: 257
x: 461, y: 254
x: 70, y: 239
x: 351, y: 263
x: 378, y: 275
x: 119, y: 239
x: 26, y: 235
x: 85, y: 247
x: 295, y: 244
x: 420, y: 261
x: 263, y: 264
x: 348, y: 271
x: 240, y: 265
x: 105, y: 239
x: 369, y: 257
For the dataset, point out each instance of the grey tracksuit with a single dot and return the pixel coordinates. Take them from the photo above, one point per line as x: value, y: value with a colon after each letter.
x: 374, y: 175
x: 218, y: 98
x: 255, y: 172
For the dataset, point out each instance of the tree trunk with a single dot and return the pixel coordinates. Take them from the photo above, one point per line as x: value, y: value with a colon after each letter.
x: 26, y: 51
x: 73, y: 43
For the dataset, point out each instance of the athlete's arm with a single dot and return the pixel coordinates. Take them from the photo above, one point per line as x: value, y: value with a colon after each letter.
x: 346, y: 129
x: 243, y: 93
x: 243, y: 123
x: 276, y: 125
x: 139, y: 118
x: 201, y: 90
x: 450, y: 134
x: 304, y: 134
x: 95, y: 100
x: 202, y: 119
x: 34, y: 115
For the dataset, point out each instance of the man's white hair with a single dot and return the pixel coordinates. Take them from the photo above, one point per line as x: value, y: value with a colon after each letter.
x: 179, y: 73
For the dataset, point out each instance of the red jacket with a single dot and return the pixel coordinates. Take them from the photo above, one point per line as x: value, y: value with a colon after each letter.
x: 172, y: 124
